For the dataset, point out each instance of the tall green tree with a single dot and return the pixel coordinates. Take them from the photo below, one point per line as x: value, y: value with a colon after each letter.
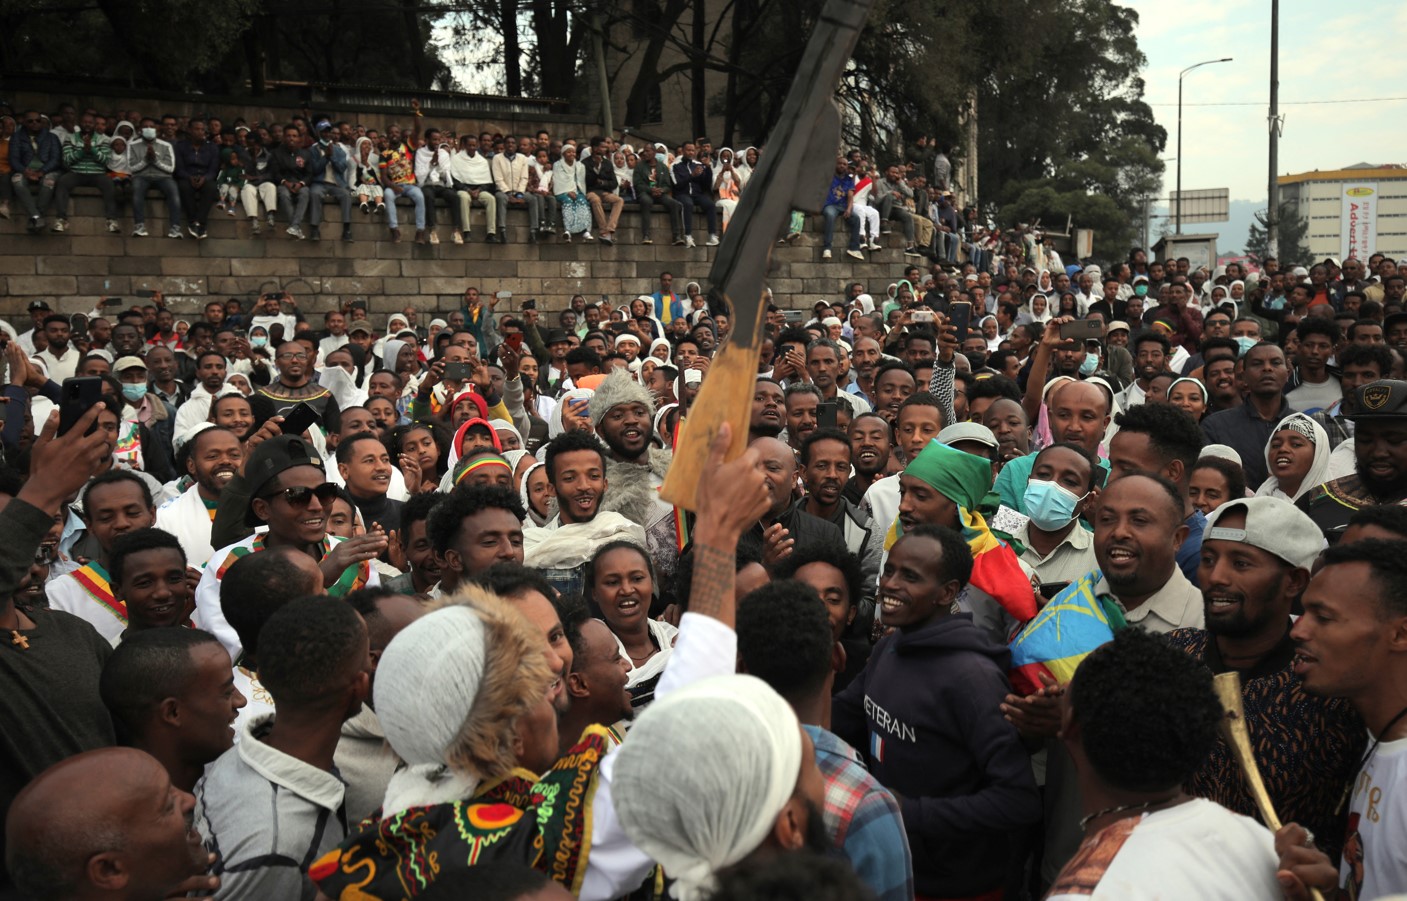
x: 1291, y: 231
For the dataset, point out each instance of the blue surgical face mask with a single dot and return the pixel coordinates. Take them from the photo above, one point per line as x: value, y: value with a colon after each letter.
x: 1276, y: 303
x: 1246, y: 342
x: 148, y: 134
x: 661, y: 158
x: 258, y: 341
x: 1090, y: 364
x: 135, y: 392
x: 1141, y: 289
x: 1050, y: 506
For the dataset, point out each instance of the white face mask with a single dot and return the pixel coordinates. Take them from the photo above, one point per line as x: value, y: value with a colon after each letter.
x: 149, y: 134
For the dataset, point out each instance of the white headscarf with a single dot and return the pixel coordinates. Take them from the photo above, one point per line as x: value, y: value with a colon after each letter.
x: 704, y: 775
x: 554, y: 423
x: 444, y: 648
x: 525, y: 495
x: 1302, y: 423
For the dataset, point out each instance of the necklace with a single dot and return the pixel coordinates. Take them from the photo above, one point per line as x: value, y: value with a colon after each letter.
x: 1368, y: 756
x: 17, y: 638
x: 1124, y: 808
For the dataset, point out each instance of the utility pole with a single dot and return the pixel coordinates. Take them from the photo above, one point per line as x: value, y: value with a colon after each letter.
x: 1272, y: 208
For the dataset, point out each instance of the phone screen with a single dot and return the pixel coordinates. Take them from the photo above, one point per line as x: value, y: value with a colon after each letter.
x: 960, y: 315
x: 458, y: 372
x: 77, y: 396
x: 826, y: 414
x: 299, y: 419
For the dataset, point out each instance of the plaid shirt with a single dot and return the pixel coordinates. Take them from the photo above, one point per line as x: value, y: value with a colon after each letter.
x: 862, y: 819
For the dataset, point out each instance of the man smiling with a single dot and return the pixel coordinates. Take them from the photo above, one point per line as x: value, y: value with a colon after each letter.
x: 213, y: 456
x: 1379, y: 439
x: 825, y: 467
x: 955, y: 714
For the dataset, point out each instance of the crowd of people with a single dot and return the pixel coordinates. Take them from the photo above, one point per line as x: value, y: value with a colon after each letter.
x: 270, y: 173
x: 348, y: 609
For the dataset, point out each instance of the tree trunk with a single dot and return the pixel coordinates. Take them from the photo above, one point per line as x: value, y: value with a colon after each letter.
x: 415, y: 37
x: 648, y: 75
x: 128, y: 24
x: 698, y: 96
x: 512, y: 62
x: 555, y: 59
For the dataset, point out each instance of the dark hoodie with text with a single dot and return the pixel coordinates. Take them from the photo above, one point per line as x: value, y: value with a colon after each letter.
x: 926, y: 711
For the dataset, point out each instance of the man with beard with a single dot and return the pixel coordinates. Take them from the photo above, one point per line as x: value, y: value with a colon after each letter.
x: 1379, y: 417
x: 1137, y: 531
x: 422, y: 567
x: 213, y: 456
x: 623, y: 412
x: 1256, y: 557
x: 528, y: 591
x: 295, y: 384
x: 865, y: 359
x: 823, y: 364
x: 786, y: 526
x: 934, y: 686
x: 576, y: 467
x: 1151, y: 351
x: 869, y: 454
x: 1219, y: 375
x: 825, y: 466
x: 768, y: 406
x: 471, y: 529
x: 803, y: 402
x: 1359, y: 364
x: 210, y: 372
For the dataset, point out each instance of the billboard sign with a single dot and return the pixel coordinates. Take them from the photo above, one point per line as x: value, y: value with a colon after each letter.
x: 1206, y: 205
x: 1358, y: 222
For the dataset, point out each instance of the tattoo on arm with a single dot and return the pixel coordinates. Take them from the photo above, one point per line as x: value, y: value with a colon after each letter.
x: 711, y: 591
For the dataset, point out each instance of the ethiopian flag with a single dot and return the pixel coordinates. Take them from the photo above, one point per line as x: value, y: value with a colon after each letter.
x: 1074, y: 623
x: 966, y: 479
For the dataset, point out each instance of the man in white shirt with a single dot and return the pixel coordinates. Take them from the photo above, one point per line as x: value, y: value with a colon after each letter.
x: 1140, y: 718
x: 336, y: 324
x: 432, y: 173
x: 510, y: 180
x: 1349, y: 644
x: 211, y: 369
x: 214, y: 456
x: 38, y: 309
x: 59, y: 358
x: 267, y: 314
x: 474, y: 185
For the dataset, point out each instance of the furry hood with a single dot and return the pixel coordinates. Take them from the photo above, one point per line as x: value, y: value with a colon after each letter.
x: 632, y: 489
x: 619, y: 388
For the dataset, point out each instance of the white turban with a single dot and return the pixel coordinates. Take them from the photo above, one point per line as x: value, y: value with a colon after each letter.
x: 446, y: 649
x: 704, y: 775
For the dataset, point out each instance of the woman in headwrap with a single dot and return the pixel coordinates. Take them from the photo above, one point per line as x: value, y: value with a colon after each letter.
x: 991, y: 331
x: 342, y: 375
x: 948, y: 487
x: 864, y: 303
x: 1043, y: 283
x: 661, y: 349
x: 727, y: 184
x: 569, y: 183
x: 1190, y: 396
x: 1039, y: 308
x: 571, y: 413
x: 625, y: 177
x: 509, y: 438
x: 747, y: 161
x: 535, y: 490
x: 367, y: 178
x: 904, y: 294
x: 1296, y: 455
x: 620, y: 585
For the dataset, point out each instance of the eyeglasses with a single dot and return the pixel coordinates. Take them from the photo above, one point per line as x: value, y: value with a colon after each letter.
x: 301, y: 495
x: 293, y: 356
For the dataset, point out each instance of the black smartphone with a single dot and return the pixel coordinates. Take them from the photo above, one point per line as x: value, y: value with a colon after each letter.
x: 1081, y: 329
x: 299, y: 419
x: 1051, y: 589
x: 458, y: 372
x: 76, y: 397
x: 826, y: 413
x: 530, y: 303
x: 960, y: 316
x: 145, y: 292
x: 113, y: 302
x: 620, y: 328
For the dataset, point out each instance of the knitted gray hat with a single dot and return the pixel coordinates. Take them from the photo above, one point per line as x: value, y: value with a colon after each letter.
x: 618, y: 388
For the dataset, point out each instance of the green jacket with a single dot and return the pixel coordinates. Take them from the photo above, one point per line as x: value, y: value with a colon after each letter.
x: 90, y: 160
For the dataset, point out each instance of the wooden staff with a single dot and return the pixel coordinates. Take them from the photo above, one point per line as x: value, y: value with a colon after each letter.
x: 1233, y: 729
x: 793, y: 173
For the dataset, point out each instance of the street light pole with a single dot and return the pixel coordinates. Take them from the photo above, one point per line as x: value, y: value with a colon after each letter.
x: 1177, y: 204
x: 1272, y: 207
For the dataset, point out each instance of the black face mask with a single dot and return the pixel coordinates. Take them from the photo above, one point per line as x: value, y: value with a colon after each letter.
x: 976, y: 359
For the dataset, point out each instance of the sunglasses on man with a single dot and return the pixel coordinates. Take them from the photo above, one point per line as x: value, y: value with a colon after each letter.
x: 301, y: 495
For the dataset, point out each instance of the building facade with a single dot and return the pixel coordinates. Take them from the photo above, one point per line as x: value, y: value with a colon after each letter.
x: 1351, y: 212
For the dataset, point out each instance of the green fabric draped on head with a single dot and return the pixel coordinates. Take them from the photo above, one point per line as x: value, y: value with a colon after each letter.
x: 961, y: 477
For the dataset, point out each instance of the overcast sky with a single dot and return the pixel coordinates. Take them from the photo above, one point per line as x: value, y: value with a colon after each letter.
x: 1340, y: 51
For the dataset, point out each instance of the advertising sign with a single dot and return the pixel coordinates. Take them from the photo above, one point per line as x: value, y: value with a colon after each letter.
x: 1358, y: 223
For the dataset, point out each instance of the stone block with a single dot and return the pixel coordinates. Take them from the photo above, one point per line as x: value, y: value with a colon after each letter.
x: 379, y: 268
x: 17, y: 264
x: 243, y: 287
x: 124, y: 265
x: 41, y: 285
x: 446, y: 268
x: 99, y: 245
x: 312, y: 267
x: 262, y: 266
x: 230, y: 247
x: 71, y: 265
x: 190, y: 266
x: 104, y: 285
x: 171, y: 286
x: 356, y: 286
x: 495, y: 269
x: 385, y: 250
x: 409, y: 286
x: 539, y: 269
x: 156, y: 246
x: 448, y: 286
